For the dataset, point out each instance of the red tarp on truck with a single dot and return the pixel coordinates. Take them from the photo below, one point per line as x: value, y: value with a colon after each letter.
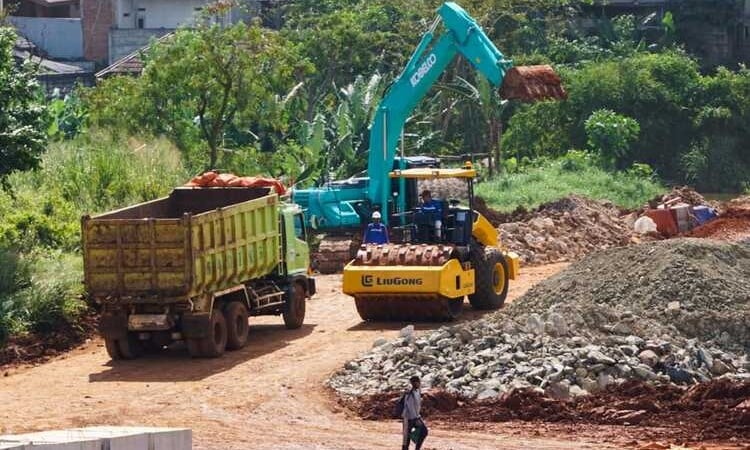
x: 213, y: 179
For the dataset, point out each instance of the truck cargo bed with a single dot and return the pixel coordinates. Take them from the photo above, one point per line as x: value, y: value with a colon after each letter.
x: 193, y: 242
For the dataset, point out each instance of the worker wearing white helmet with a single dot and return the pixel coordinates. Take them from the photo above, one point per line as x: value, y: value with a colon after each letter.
x: 376, y: 231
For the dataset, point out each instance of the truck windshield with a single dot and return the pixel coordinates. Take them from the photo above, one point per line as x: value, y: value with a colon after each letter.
x: 299, y: 227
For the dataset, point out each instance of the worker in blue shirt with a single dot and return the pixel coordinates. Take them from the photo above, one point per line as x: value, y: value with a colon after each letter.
x: 435, y: 209
x: 376, y: 232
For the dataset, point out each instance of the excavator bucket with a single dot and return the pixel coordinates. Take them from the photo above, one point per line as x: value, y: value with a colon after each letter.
x: 530, y: 83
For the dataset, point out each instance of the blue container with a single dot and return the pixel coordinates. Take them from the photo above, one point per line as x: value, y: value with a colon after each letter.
x: 704, y: 214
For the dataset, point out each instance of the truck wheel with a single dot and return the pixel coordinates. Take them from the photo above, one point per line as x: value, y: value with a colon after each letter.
x: 237, y: 327
x: 491, y: 272
x: 125, y: 348
x: 113, y: 349
x: 214, y: 343
x: 294, y: 309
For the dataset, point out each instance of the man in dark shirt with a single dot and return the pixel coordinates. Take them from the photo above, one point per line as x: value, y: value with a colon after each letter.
x: 435, y: 209
x: 376, y: 232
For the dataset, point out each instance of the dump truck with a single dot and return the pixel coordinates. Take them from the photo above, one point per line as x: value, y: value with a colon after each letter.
x: 193, y: 266
x: 436, y: 258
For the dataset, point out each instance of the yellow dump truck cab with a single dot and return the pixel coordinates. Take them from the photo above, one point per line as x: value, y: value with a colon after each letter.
x: 437, y: 257
x: 194, y: 266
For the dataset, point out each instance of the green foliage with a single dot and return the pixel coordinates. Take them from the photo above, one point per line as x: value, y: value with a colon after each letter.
x: 202, y: 85
x: 68, y: 117
x: 686, y: 119
x: 611, y: 135
x: 22, y: 112
x: 534, y: 185
x: 45, y: 294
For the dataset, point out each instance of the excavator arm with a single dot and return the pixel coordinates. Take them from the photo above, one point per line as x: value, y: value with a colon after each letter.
x: 461, y: 35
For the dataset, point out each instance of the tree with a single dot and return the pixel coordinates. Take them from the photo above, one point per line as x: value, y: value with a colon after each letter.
x: 210, y: 76
x: 22, y: 111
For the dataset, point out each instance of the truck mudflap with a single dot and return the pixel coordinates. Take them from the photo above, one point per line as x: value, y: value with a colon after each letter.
x: 195, y: 326
x: 310, y: 286
x: 113, y: 324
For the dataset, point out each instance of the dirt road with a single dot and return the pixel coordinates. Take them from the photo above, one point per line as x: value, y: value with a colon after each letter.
x: 269, y: 395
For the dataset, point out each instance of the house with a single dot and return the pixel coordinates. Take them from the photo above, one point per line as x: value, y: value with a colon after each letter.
x: 114, y: 29
x: 60, y: 76
x: 50, y: 34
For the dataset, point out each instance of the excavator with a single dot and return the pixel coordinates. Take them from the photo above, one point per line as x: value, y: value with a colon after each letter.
x: 340, y: 208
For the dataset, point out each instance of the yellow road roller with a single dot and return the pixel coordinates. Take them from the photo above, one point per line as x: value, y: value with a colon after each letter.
x: 440, y: 252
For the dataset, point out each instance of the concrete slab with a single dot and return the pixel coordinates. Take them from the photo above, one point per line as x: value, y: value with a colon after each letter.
x: 150, y: 438
x: 10, y: 446
x: 101, y: 438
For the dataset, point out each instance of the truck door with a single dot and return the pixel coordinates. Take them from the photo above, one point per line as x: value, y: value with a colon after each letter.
x: 297, y: 251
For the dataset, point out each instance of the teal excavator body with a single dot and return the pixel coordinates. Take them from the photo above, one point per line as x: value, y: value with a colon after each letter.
x: 345, y: 204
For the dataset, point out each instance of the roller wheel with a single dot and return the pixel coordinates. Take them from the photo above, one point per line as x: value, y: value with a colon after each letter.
x: 237, y: 327
x: 491, y: 272
x: 294, y: 309
x: 439, y: 309
x: 124, y: 348
x: 214, y: 343
x: 454, y: 308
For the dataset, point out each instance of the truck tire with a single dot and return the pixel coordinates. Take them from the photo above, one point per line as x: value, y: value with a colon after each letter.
x: 294, y: 308
x: 113, y: 349
x: 236, y: 316
x: 214, y: 343
x: 491, y: 275
x: 124, y: 348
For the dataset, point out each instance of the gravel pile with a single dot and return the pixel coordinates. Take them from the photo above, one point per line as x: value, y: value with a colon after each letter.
x: 673, y: 311
x: 566, y: 230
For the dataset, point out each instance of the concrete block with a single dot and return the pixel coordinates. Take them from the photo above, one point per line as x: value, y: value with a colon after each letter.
x: 52, y: 440
x: 102, y: 438
x: 10, y: 446
x: 151, y: 438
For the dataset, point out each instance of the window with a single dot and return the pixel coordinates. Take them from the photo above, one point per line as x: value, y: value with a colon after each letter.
x: 299, y: 227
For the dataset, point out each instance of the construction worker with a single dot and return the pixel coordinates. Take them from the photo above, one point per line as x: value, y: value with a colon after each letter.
x: 413, y: 424
x: 435, y: 209
x: 376, y: 232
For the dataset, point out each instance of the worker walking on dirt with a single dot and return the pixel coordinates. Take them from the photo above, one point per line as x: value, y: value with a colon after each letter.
x: 435, y: 209
x: 414, y: 427
x: 376, y: 232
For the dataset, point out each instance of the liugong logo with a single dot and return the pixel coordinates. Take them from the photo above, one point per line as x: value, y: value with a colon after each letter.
x: 370, y: 281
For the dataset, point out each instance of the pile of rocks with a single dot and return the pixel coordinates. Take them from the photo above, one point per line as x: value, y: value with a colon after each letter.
x: 665, y: 312
x: 566, y: 229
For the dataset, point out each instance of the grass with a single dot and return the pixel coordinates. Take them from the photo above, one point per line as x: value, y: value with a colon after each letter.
x: 553, y: 180
x: 40, y: 262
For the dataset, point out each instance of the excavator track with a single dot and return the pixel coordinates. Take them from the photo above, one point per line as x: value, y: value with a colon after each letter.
x: 334, y: 252
x: 406, y: 307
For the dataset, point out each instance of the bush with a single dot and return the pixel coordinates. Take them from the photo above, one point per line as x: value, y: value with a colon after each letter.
x: 46, y: 294
x: 611, y: 135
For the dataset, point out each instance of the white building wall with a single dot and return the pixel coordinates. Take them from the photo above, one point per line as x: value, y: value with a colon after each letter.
x: 157, y: 13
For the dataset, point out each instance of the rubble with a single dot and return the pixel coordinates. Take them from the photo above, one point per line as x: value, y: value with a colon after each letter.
x: 604, y: 321
x: 565, y: 230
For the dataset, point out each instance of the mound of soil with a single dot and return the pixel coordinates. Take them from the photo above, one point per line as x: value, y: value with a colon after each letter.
x: 563, y: 230
x: 733, y: 225
x: 685, y: 193
x: 35, y: 348
x: 716, y: 410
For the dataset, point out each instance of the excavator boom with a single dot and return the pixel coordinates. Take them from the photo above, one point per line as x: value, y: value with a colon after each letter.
x: 461, y: 35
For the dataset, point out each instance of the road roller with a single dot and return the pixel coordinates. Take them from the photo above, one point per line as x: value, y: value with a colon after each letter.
x: 440, y: 252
